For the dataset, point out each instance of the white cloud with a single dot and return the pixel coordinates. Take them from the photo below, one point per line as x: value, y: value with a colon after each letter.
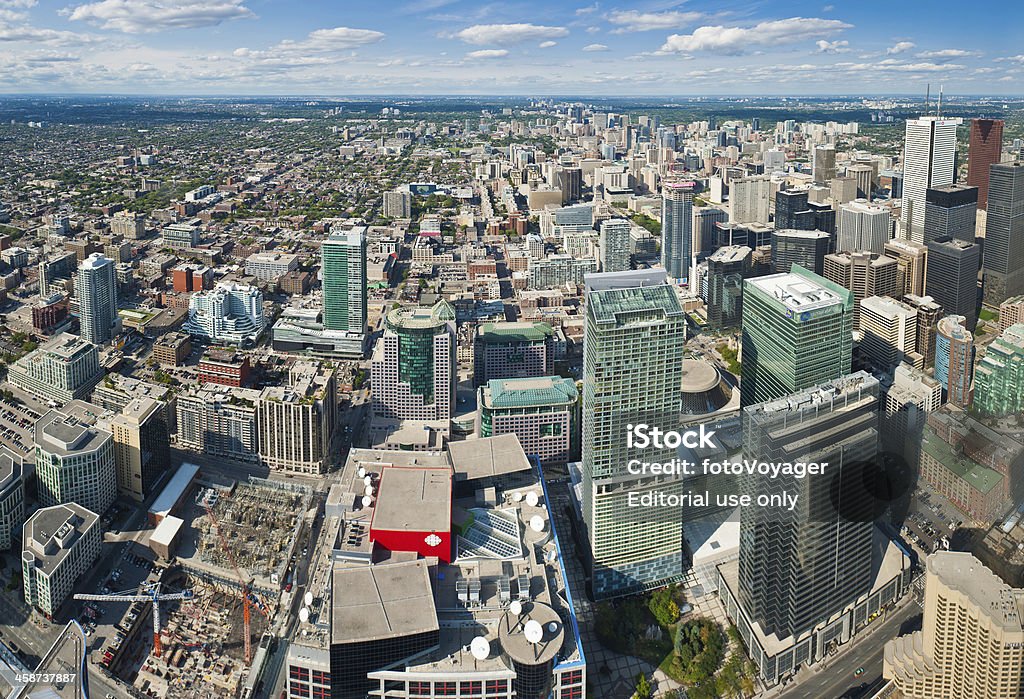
x: 948, y: 53
x: 1019, y: 58
x: 482, y: 34
x: 595, y: 47
x: 832, y: 46
x: 589, y: 9
x: 487, y: 53
x: 146, y: 16
x: 635, y: 21
x: 19, y: 4
x: 737, y: 40
x: 547, y: 44
x: 43, y: 36
x: 900, y: 47
x: 319, y: 42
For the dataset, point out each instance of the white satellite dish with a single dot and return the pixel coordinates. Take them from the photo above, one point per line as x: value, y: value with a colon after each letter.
x: 480, y: 648
x: 304, y: 615
x: 367, y: 480
x: 517, y: 497
x: 532, y: 498
x: 533, y: 631
x: 367, y: 501
x: 537, y: 523
x: 368, y: 490
x: 361, y: 472
x: 553, y: 626
x: 551, y: 556
x: 308, y: 599
x: 516, y: 607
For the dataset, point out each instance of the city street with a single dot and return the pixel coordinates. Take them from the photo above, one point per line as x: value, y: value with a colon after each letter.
x: 835, y: 676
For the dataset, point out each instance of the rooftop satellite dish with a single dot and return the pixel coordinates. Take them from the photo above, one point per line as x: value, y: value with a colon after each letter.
x: 304, y: 615
x: 480, y: 648
x: 516, y: 607
x: 308, y: 598
x: 533, y: 631
x: 532, y: 499
x: 367, y: 480
x: 517, y: 497
x: 368, y: 490
x: 537, y: 523
x: 361, y: 472
x: 553, y: 626
x: 551, y: 556
x: 367, y: 501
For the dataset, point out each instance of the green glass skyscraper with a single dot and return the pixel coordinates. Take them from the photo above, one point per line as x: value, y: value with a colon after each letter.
x: 632, y: 369
x: 797, y: 333
x: 344, y: 280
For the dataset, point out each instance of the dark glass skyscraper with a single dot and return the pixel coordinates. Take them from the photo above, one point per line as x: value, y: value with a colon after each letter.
x: 799, y: 567
x: 984, y: 150
x: 953, y: 277
x: 1004, y: 233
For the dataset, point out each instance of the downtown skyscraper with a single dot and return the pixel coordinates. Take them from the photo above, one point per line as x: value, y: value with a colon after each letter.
x: 344, y: 281
x: 796, y: 333
x: 96, y: 288
x: 677, y: 229
x: 798, y: 567
x: 1003, y: 265
x: 632, y: 366
x: 985, y: 148
x: 929, y: 159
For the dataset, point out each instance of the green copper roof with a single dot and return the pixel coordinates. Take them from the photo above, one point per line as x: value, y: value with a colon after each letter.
x: 521, y: 393
x: 502, y: 333
x: 974, y: 474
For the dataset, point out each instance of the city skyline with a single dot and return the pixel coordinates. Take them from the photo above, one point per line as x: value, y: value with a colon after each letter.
x: 433, y: 47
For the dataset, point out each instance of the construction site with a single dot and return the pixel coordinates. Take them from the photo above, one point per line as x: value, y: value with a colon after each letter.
x: 236, y: 557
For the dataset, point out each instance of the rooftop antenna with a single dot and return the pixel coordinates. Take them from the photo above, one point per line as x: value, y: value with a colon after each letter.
x: 938, y: 112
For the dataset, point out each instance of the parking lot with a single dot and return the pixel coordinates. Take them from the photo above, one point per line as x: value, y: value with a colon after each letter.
x: 932, y: 521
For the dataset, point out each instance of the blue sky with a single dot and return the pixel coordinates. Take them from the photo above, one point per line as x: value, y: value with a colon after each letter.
x: 523, y: 47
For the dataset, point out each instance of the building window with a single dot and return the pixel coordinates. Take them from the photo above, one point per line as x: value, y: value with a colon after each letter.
x: 471, y: 689
x: 419, y: 689
x: 444, y: 689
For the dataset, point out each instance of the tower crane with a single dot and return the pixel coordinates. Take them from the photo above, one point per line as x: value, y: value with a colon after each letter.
x: 151, y: 594
x: 248, y: 597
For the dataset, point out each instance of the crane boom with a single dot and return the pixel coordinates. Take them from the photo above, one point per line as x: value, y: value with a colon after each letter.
x: 242, y: 580
x: 153, y: 595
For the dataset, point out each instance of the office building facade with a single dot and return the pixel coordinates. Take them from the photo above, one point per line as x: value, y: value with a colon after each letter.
x: 296, y: 422
x: 515, y: 350
x: 929, y: 156
x: 677, y: 229
x: 950, y: 212
x: 543, y: 412
x: 953, y: 277
x: 797, y: 568
x: 63, y: 369
x: 727, y: 268
x: 796, y: 333
x: 633, y: 352
x: 229, y: 313
x: 74, y: 463
x: 799, y: 247
x: 413, y: 367
x: 985, y: 148
x: 1004, y: 233
x: 343, y: 275
x: 863, y: 226
x: 60, y: 544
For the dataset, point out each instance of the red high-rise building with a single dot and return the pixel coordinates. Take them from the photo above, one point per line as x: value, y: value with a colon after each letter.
x: 985, y: 148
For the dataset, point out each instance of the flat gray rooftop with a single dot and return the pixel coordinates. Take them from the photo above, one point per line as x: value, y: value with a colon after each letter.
x: 475, y: 459
x: 413, y: 499
x: 382, y: 601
